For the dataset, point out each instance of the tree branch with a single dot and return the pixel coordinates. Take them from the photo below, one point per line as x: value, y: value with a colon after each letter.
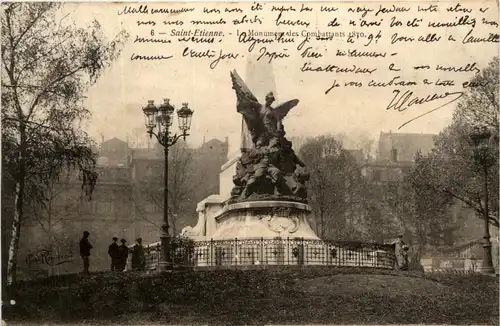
x: 30, y: 25
x: 55, y: 81
x: 493, y: 220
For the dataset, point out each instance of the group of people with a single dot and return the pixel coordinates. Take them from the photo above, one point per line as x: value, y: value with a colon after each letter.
x: 118, y: 254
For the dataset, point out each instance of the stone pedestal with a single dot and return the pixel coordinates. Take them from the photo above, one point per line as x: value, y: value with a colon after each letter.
x: 263, y: 219
x: 228, y: 170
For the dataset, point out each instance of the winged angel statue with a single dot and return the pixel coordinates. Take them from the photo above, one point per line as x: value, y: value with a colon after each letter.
x: 268, y: 166
x: 262, y: 120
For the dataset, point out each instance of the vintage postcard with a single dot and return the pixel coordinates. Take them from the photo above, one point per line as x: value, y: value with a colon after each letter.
x: 250, y: 162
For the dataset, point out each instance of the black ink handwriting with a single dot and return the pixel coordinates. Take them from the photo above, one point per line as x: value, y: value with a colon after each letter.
x: 391, y: 67
x: 243, y: 37
x: 469, y: 38
x: 328, y: 9
x: 396, y: 38
x: 221, y: 21
x: 172, y: 11
x: 364, y: 10
x: 211, y: 11
x: 373, y: 54
x: 334, y: 85
x: 297, y: 22
x: 430, y: 8
x: 149, y: 57
x: 393, y: 9
x: 143, y: 9
x: 282, y: 8
x: 489, y: 22
x: 429, y: 38
x: 402, y: 102
x: 458, y: 8
x: 459, y: 95
x: 309, y: 53
x: 334, y: 68
x: 147, y: 23
x: 461, y: 21
x: 272, y: 55
x: 187, y: 52
x: 246, y: 20
x: 395, y: 81
x: 470, y: 67
x: 239, y: 10
x: 150, y: 40
x: 193, y: 39
x: 173, y: 22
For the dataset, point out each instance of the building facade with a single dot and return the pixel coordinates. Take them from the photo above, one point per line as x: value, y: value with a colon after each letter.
x: 127, y: 202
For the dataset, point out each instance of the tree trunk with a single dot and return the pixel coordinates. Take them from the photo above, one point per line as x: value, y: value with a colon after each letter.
x: 19, y: 205
x: 322, y: 222
x: 15, y: 233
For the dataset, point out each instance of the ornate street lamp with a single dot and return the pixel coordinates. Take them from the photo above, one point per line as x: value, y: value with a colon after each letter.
x: 480, y: 138
x: 158, y: 123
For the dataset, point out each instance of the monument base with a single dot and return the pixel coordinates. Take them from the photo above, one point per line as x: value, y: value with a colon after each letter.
x: 272, y: 232
x: 263, y: 219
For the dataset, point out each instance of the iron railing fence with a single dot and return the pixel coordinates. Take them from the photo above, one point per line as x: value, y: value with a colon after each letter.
x: 285, y: 251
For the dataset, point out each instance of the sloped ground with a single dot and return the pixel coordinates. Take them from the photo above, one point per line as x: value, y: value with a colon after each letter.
x: 282, y: 296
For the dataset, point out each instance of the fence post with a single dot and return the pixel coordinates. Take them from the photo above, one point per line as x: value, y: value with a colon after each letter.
x: 235, y: 255
x: 211, y: 255
x: 288, y: 250
x: 301, y: 251
x: 158, y: 254
x: 261, y: 260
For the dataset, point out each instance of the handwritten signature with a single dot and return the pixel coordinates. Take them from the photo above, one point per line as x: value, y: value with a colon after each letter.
x: 402, y: 102
x: 46, y: 257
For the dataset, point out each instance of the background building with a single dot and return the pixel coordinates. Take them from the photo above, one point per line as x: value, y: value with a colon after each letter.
x: 460, y: 237
x: 127, y: 202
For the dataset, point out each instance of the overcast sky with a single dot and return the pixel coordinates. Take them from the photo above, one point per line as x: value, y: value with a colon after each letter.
x: 116, y: 99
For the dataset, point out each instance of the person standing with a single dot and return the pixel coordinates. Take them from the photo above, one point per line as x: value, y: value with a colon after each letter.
x: 400, y: 252
x: 404, y: 253
x: 138, y: 258
x: 122, y: 255
x: 85, y: 248
x: 113, y: 254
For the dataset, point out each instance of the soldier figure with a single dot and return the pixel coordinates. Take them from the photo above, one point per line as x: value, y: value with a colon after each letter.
x: 264, y: 168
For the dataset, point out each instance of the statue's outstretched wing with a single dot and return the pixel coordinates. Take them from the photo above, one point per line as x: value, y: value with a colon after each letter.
x: 241, y: 88
x: 247, y: 105
x: 282, y: 109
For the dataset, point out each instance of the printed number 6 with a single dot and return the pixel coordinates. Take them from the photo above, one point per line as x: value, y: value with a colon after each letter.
x: 152, y: 32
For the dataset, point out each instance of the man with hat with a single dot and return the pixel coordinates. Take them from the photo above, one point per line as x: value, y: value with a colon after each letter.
x: 113, y: 254
x: 138, y: 258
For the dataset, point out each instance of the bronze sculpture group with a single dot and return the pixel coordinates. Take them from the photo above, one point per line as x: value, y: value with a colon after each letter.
x: 268, y: 167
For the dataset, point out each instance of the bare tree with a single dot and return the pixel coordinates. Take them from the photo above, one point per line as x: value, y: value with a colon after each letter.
x: 333, y: 187
x: 185, y: 177
x: 60, y: 206
x: 47, y: 66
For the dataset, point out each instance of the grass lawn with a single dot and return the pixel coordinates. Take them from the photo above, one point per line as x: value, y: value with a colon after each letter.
x: 264, y: 297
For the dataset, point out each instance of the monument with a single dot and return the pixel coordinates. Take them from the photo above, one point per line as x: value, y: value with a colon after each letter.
x: 260, y: 215
x: 267, y: 197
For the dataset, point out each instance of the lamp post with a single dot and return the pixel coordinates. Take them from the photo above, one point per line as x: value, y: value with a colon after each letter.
x: 158, y: 123
x: 480, y: 139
